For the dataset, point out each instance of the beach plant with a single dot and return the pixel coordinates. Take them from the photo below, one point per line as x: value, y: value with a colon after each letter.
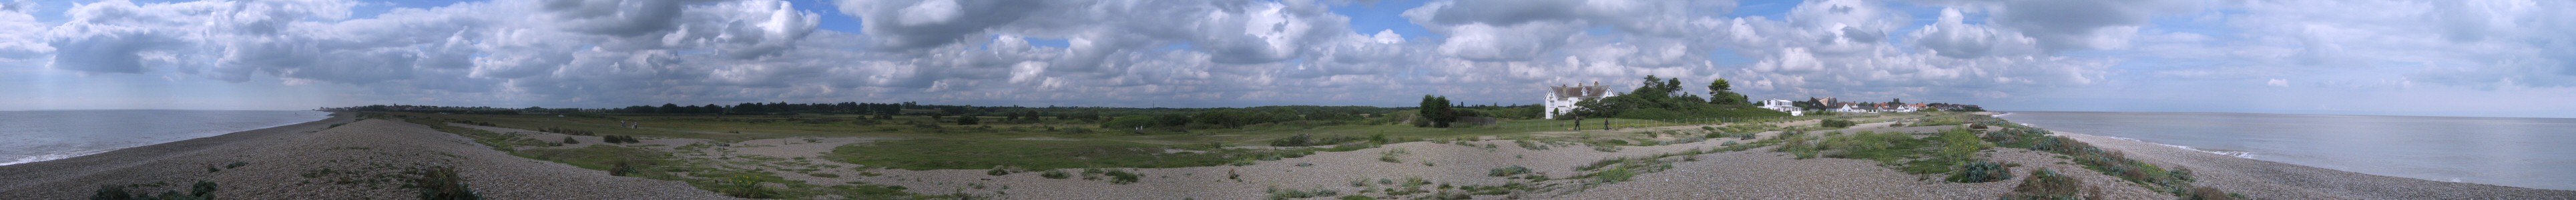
x: 1839, y: 123
x: 1055, y: 174
x: 745, y: 186
x: 621, y: 168
x: 1121, y: 177
x: 2207, y: 193
x: 2044, y: 184
x: 1390, y: 155
x: 1981, y: 171
x: 442, y: 183
x: 200, y: 191
x: 1299, y: 140
x: 1276, y: 193
x: 1507, y: 171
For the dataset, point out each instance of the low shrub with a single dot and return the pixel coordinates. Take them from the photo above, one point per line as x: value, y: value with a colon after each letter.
x: 997, y: 171
x: 1507, y: 171
x: 1276, y: 193
x: 1390, y: 156
x: 613, y: 139
x: 1055, y: 174
x: 744, y: 186
x: 1299, y: 140
x: 201, y: 190
x: 442, y: 182
x: 2047, y: 185
x: 1981, y: 171
x: 2206, y: 193
x: 621, y: 168
x: 1839, y: 123
x: 1121, y: 177
x: 825, y: 175
x: 569, y: 140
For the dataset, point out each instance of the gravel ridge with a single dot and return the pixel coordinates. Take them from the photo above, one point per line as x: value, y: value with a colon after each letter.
x: 361, y: 159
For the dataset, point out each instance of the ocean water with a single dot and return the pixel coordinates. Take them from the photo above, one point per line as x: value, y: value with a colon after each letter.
x: 2519, y: 152
x: 31, y: 136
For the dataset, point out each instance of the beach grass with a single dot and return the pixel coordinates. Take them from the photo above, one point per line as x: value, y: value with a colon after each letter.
x: 942, y: 153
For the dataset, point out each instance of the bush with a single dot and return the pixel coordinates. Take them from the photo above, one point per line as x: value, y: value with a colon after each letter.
x: 1276, y: 193
x: 1839, y: 123
x: 201, y: 190
x: 745, y: 187
x: 1055, y: 174
x: 1982, y: 171
x: 569, y: 140
x: 621, y: 168
x: 1507, y: 171
x: 1299, y: 140
x: 2047, y: 185
x: 2206, y: 193
x: 1121, y: 177
x: 442, y: 182
x: 997, y: 171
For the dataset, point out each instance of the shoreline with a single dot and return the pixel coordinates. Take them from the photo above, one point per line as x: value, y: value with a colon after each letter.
x: 2269, y: 179
x: 76, y: 154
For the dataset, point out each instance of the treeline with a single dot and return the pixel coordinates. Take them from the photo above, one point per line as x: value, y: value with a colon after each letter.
x: 1664, y: 99
x: 1813, y: 103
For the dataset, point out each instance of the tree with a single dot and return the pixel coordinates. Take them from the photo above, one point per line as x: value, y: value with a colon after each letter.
x: 670, y: 108
x: 967, y: 120
x: 1719, y: 93
x: 1436, y: 110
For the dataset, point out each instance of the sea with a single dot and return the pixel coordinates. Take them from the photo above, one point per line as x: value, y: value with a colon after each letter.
x: 2519, y: 152
x: 33, y: 136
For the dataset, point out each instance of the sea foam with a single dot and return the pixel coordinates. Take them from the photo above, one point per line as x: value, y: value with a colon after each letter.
x: 2238, y: 154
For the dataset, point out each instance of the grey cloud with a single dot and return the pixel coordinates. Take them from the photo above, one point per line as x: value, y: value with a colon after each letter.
x: 910, y: 24
x: 2074, y: 25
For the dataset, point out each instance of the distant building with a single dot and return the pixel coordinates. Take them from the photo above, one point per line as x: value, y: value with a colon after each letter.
x: 1783, y: 106
x: 1561, y: 99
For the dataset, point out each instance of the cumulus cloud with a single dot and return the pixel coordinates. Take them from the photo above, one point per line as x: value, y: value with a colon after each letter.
x: 1953, y: 37
x: 2277, y: 83
x: 21, y: 36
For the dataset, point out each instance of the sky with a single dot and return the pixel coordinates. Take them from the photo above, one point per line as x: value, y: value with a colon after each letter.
x: 2501, y: 58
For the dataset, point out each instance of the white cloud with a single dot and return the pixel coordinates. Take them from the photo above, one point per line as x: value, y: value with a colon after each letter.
x: 1233, y: 53
x: 2277, y: 83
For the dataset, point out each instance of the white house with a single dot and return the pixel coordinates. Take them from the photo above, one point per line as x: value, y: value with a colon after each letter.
x: 1561, y: 99
x: 1850, y: 108
x: 1783, y: 106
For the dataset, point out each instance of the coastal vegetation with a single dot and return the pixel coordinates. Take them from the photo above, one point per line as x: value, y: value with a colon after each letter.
x: 1661, y: 99
x: 200, y: 191
x: 1006, y: 141
x: 442, y: 183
